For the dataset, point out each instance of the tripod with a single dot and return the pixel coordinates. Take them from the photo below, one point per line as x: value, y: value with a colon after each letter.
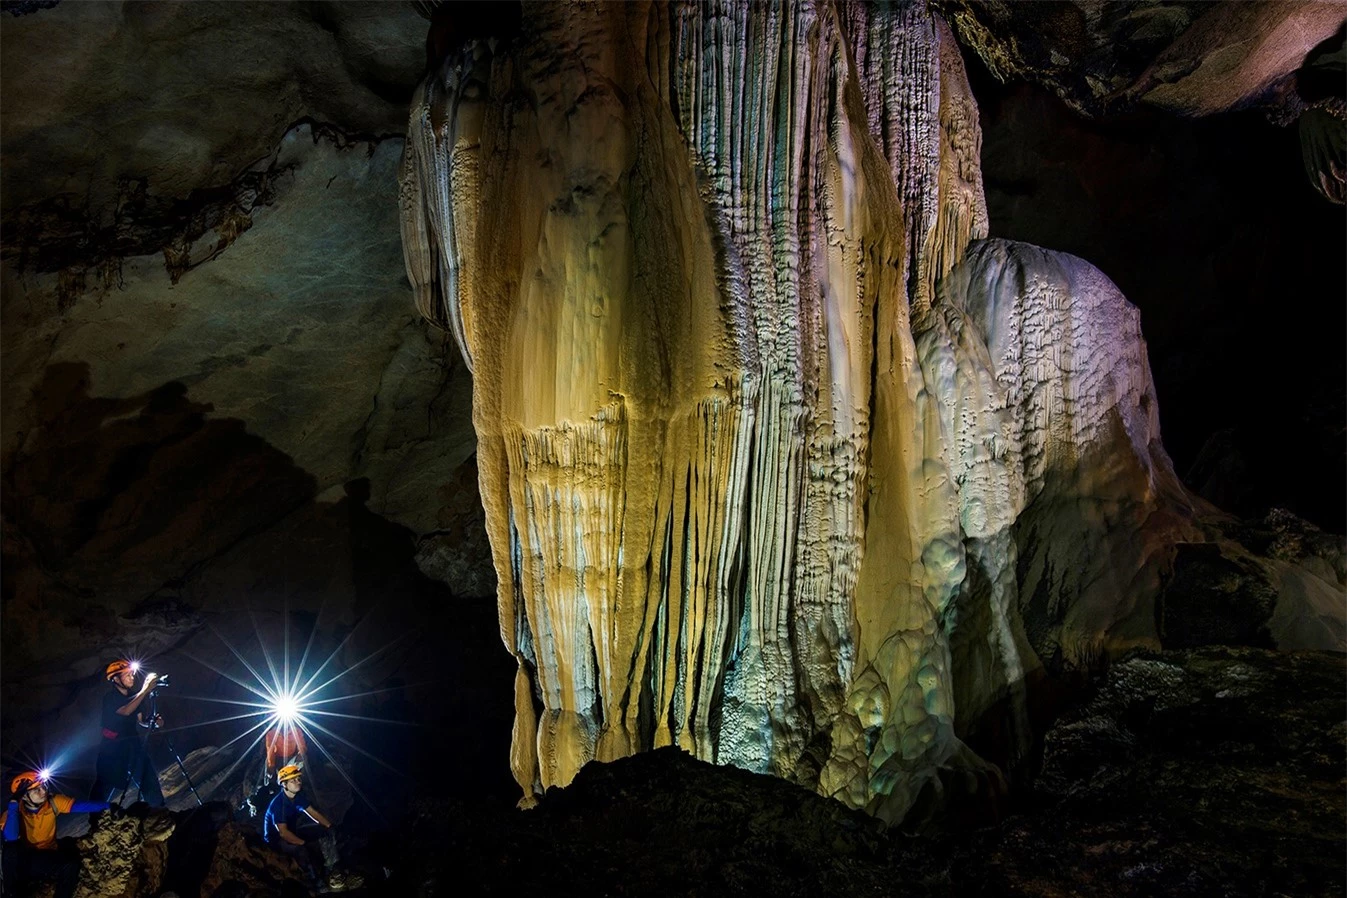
x: 168, y: 743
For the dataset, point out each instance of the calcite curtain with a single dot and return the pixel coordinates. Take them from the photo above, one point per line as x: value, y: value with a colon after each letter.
x: 754, y: 424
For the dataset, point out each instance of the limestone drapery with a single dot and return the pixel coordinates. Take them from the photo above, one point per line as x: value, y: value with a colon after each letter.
x: 736, y: 454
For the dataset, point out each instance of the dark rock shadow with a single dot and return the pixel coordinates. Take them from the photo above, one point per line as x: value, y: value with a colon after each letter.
x: 136, y: 490
x: 448, y: 702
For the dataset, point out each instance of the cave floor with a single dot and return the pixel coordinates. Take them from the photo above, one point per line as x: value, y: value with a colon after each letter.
x: 1217, y: 771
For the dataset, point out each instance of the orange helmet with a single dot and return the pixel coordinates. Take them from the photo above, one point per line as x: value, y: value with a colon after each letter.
x: 117, y: 667
x: 25, y: 781
x: 288, y: 772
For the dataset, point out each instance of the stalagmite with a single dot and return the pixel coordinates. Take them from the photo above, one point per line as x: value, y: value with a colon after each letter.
x: 747, y: 461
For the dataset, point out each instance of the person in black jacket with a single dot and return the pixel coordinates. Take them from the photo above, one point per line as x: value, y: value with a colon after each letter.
x: 122, y: 756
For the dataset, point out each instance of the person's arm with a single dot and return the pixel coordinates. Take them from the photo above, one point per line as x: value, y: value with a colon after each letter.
x: 87, y: 807
x: 317, y: 817
x: 288, y: 836
x: 9, y: 822
x: 130, y: 707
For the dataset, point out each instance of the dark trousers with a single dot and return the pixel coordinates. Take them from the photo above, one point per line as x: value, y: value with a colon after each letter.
x: 25, y: 865
x: 317, y: 855
x: 312, y: 855
x: 309, y: 857
x: 121, y: 764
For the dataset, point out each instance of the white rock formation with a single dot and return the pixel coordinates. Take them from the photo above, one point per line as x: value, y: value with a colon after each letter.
x: 760, y: 437
x: 1069, y: 506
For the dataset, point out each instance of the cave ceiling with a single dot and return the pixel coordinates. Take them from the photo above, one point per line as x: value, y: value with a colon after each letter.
x: 1188, y: 58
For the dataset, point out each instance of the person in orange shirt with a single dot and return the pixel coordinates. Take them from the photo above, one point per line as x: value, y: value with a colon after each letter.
x: 285, y: 745
x: 31, y: 851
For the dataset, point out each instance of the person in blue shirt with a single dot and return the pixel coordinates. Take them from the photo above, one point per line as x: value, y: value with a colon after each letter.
x: 294, y: 827
x: 31, y: 850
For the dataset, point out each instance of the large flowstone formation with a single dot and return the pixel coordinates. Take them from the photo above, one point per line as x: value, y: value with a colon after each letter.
x: 768, y: 434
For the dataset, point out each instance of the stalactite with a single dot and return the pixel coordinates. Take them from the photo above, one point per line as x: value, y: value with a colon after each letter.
x: 745, y: 471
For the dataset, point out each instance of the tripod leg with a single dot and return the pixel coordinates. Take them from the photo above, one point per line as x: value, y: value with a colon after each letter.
x: 183, y: 767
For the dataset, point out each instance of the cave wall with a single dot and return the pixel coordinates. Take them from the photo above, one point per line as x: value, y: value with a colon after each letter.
x: 223, y: 421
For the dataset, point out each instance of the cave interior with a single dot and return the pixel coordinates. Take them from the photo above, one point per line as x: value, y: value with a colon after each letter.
x: 817, y: 448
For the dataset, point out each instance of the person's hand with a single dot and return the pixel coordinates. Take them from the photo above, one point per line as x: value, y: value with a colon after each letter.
x: 150, y: 679
x: 157, y: 720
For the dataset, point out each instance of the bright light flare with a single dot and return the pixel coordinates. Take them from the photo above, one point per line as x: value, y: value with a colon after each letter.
x: 135, y: 667
x: 290, y: 699
x: 286, y: 708
x: 44, y: 775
